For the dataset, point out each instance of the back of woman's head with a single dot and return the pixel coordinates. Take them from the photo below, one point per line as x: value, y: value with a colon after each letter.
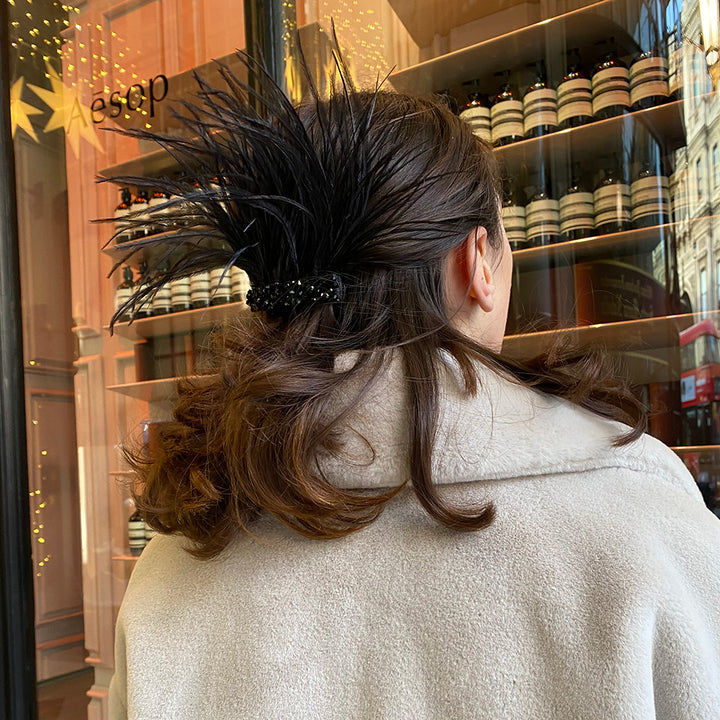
x: 343, y: 212
x: 373, y: 187
x: 399, y: 183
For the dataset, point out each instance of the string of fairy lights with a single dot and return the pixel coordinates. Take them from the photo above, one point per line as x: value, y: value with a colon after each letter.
x: 361, y: 33
x: 76, y: 60
x: 37, y: 527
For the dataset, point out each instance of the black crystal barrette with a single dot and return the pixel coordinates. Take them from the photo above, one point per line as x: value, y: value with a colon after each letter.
x: 290, y: 297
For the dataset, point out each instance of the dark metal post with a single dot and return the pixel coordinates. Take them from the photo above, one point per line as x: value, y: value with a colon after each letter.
x: 271, y: 35
x: 18, y: 700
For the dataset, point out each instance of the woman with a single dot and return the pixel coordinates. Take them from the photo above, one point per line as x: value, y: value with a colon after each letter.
x: 312, y: 498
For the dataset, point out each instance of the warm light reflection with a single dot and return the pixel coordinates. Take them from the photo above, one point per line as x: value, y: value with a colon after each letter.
x: 68, y: 111
x: 21, y: 111
x: 37, y: 40
x: 40, y: 555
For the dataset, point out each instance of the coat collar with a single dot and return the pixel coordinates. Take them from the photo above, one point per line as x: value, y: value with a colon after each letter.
x: 505, y: 431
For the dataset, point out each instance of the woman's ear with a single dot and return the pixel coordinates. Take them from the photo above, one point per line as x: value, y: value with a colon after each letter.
x: 482, y: 288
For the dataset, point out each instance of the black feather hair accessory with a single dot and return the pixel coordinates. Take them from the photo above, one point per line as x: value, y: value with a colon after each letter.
x: 251, y: 192
x: 263, y: 190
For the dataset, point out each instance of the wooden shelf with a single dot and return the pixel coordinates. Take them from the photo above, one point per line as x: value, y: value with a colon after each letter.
x: 133, y: 252
x: 681, y: 449
x: 127, y: 558
x: 627, y: 335
x: 424, y: 19
x: 181, y: 322
x: 664, y: 122
x: 155, y: 163
x: 153, y: 390
x: 628, y: 242
x: 149, y: 391
x: 515, y: 49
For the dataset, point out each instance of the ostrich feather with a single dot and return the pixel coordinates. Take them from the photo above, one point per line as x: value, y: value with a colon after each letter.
x: 265, y: 190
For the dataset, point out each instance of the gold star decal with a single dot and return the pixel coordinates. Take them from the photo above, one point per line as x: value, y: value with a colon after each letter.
x: 20, y: 111
x: 68, y: 111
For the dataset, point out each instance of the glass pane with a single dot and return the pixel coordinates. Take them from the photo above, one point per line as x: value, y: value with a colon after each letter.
x: 602, y: 116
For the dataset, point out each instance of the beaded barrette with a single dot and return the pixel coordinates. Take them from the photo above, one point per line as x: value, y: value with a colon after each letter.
x: 289, y: 297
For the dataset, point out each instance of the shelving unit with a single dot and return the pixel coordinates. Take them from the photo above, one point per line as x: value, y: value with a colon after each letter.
x: 155, y: 163
x: 649, y: 344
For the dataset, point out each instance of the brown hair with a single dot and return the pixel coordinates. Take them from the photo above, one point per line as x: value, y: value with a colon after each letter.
x: 247, y: 441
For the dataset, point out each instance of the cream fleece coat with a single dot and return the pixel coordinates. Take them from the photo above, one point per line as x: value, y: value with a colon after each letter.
x: 595, y: 595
